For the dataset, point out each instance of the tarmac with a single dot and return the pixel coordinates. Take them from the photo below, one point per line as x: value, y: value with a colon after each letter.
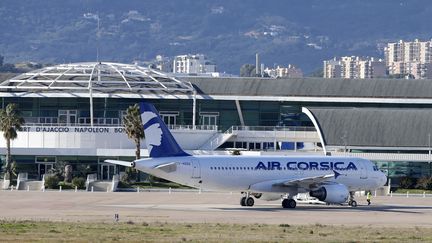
x: 207, y: 207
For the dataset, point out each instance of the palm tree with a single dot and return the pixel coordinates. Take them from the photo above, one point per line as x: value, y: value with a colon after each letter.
x: 10, y: 122
x: 134, y: 128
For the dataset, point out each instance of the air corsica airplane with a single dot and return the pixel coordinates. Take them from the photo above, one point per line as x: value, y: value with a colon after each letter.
x: 329, y: 179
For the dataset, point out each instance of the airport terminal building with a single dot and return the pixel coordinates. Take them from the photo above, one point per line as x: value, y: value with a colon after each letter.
x: 73, y: 113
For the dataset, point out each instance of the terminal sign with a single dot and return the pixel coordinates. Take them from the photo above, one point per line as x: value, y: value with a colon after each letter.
x: 56, y: 129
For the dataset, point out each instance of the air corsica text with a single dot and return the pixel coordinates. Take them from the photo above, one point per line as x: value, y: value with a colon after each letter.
x: 294, y: 165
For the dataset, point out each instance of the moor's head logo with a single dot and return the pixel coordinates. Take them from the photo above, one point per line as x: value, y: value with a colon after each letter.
x: 153, y: 131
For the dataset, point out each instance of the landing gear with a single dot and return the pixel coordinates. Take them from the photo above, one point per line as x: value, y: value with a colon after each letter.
x: 250, y: 202
x: 243, y: 201
x: 247, y: 201
x: 351, y: 201
x: 289, y: 203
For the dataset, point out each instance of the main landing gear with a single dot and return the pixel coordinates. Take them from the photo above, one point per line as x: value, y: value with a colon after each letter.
x: 351, y: 200
x: 247, y: 201
x: 289, y: 203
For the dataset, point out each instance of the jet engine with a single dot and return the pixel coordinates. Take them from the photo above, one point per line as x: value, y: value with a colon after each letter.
x: 336, y: 193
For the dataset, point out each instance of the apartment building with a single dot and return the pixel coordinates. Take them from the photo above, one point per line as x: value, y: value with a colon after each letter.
x: 332, y: 68
x: 410, y: 59
x: 284, y: 72
x: 193, y: 64
x: 354, y: 67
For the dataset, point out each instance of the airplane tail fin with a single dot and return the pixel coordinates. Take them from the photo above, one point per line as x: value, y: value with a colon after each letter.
x: 159, y: 140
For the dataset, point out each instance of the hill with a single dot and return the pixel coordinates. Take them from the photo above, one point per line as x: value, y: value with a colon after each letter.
x: 229, y: 32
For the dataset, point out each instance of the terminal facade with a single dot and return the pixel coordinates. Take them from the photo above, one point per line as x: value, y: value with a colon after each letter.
x: 74, y: 112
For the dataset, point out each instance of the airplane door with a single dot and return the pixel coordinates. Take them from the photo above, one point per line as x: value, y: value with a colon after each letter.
x: 196, y: 171
x: 363, y: 170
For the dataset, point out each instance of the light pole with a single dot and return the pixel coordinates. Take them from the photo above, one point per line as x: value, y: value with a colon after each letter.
x: 344, y: 139
x: 429, y: 154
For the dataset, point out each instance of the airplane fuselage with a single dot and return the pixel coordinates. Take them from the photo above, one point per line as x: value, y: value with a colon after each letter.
x: 329, y: 179
x: 241, y: 173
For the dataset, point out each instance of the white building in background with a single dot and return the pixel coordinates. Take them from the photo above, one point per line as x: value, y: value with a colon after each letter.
x: 160, y: 63
x: 354, y: 67
x: 284, y: 72
x: 193, y: 64
x: 372, y: 68
x: 163, y: 64
x: 332, y: 68
x: 409, y: 59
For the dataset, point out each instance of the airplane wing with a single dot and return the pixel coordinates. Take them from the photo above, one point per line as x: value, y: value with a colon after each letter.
x: 306, y: 182
x: 119, y: 162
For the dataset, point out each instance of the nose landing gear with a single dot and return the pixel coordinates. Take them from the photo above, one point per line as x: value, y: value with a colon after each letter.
x: 351, y: 201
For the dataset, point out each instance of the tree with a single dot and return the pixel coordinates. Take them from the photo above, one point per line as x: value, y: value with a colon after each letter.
x: 134, y: 128
x: 10, y: 122
x: 247, y: 70
x: 319, y: 73
x: 1, y: 60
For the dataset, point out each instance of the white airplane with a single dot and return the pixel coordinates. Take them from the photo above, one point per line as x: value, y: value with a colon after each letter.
x: 329, y: 179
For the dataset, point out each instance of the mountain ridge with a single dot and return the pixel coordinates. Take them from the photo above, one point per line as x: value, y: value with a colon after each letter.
x: 229, y: 32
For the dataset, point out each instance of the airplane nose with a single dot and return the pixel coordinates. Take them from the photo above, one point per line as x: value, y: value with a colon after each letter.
x: 383, y: 179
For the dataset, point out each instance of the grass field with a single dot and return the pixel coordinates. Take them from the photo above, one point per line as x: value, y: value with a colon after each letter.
x: 30, y: 231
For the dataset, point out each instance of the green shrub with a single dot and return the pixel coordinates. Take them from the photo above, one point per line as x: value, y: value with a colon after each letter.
x: 122, y: 184
x: 65, y: 185
x: 52, y: 181
x: 407, y: 182
x: 424, y: 183
x: 79, y: 182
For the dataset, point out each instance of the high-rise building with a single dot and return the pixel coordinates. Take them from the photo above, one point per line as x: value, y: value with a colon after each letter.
x: 354, y: 67
x: 371, y: 68
x: 409, y: 59
x: 193, y: 64
x: 332, y: 69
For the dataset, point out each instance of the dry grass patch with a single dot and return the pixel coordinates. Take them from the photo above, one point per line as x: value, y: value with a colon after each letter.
x: 30, y: 231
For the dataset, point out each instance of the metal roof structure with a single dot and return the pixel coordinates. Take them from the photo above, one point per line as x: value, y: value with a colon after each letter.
x: 318, y: 87
x: 385, y: 128
x: 95, y: 79
x: 114, y: 80
x: 401, y: 91
x: 82, y: 79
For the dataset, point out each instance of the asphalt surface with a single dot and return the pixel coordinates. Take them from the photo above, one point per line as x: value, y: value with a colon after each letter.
x: 194, y: 207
